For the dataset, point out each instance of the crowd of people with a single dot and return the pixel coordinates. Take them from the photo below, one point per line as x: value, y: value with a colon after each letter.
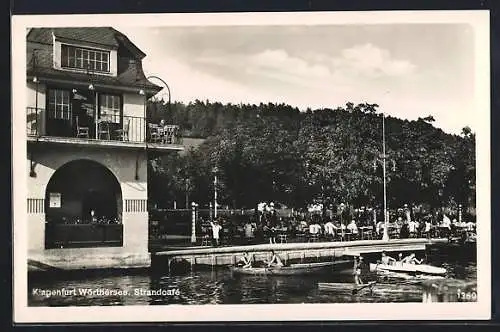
x: 270, y: 227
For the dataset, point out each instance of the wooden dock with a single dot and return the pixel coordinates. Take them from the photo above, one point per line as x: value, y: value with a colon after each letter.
x: 216, y: 256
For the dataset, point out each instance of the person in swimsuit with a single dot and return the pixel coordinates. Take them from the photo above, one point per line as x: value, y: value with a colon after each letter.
x: 411, y: 259
x: 387, y: 260
x: 275, y: 260
x: 246, y: 260
x: 357, y: 271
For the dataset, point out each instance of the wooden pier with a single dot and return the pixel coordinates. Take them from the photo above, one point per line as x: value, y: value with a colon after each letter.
x: 217, y: 256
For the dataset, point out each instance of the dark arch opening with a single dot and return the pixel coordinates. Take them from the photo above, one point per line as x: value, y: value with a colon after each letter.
x: 83, y: 204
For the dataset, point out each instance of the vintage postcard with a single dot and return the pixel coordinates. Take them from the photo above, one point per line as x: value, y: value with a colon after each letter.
x: 251, y: 167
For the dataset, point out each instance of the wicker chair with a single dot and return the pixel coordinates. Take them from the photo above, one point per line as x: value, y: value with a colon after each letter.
x: 81, y: 132
x: 103, y: 130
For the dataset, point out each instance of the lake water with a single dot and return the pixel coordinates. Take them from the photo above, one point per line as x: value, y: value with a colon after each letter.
x: 220, y: 286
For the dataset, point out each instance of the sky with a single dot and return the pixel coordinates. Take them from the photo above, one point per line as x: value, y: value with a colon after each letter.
x: 410, y: 70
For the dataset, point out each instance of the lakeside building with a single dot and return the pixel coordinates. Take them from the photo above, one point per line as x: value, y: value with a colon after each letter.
x: 88, y: 140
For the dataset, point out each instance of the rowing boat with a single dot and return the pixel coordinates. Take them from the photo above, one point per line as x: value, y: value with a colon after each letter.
x: 410, y: 276
x: 368, y: 287
x: 408, y: 268
x: 343, y: 286
x: 292, y: 269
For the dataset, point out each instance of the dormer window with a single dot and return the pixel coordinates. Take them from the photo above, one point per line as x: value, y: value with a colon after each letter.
x: 73, y: 57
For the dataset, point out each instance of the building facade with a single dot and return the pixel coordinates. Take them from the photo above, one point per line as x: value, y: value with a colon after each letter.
x: 88, y: 140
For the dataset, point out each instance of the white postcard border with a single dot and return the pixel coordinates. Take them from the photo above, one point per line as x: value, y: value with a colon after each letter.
x: 293, y: 312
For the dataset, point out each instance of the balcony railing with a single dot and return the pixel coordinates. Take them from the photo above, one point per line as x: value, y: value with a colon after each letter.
x: 107, y: 128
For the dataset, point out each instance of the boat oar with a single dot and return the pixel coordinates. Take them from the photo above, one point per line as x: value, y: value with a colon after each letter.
x: 356, y: 290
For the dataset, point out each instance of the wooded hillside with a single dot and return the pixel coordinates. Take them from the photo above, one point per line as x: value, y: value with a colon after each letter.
x: 274, y: 152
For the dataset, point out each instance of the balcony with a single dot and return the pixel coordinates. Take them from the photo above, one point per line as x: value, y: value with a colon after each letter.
x: 117, y: 131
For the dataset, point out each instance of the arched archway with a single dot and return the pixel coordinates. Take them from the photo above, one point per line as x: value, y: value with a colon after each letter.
x: 83, y: 206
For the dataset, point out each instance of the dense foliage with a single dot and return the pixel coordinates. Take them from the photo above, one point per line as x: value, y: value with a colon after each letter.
x: 274, y: 152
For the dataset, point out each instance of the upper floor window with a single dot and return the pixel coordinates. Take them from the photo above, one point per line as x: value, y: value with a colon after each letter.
x: 84, y: 58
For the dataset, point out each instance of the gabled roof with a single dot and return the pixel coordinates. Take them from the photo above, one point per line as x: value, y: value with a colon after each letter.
x: 130, y: 73
x: 106, y: 36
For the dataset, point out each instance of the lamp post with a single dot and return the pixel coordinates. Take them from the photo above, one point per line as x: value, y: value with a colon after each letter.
x: 383, y: 159
x: 193, y: 222
x: 342, y: 206
x: 37, y: 124
x: 215, y: 190
x: 187, y: 193
x: 385, y: 237
x: 460, y: 213
x: 37, y: 82
x: 166, y: 85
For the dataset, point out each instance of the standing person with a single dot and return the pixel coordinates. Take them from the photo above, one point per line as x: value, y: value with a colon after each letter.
x: 358, y: 261
x: 249, y: 229
x: 274, y: 217
x: 445, y: 226
x: 266, y: 231
x: 272, y: 234
x: 412, y: 228
x: 404, y: 231
x: 215, y: 232
x: 427, y: 228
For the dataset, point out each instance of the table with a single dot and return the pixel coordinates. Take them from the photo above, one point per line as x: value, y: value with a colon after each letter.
x: 366, y: 231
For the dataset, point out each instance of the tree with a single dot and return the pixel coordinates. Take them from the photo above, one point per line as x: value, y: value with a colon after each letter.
x: 275, y: 152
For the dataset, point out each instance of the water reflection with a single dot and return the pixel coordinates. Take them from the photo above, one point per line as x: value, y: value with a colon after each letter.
x: 220, y: 286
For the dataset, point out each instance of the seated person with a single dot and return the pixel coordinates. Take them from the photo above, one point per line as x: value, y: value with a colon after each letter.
x: 302, y: 225
x: 162, y: 124
x: 275, y: 260
x: 314, y: 228
x: 470, y: 226
x: 446, y: 222
x: 411, y: 259
x: 246, y: 261
x: 380, y: 227
x: 387, y: 260
x: 352, y: 227
x: 330, y: 229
